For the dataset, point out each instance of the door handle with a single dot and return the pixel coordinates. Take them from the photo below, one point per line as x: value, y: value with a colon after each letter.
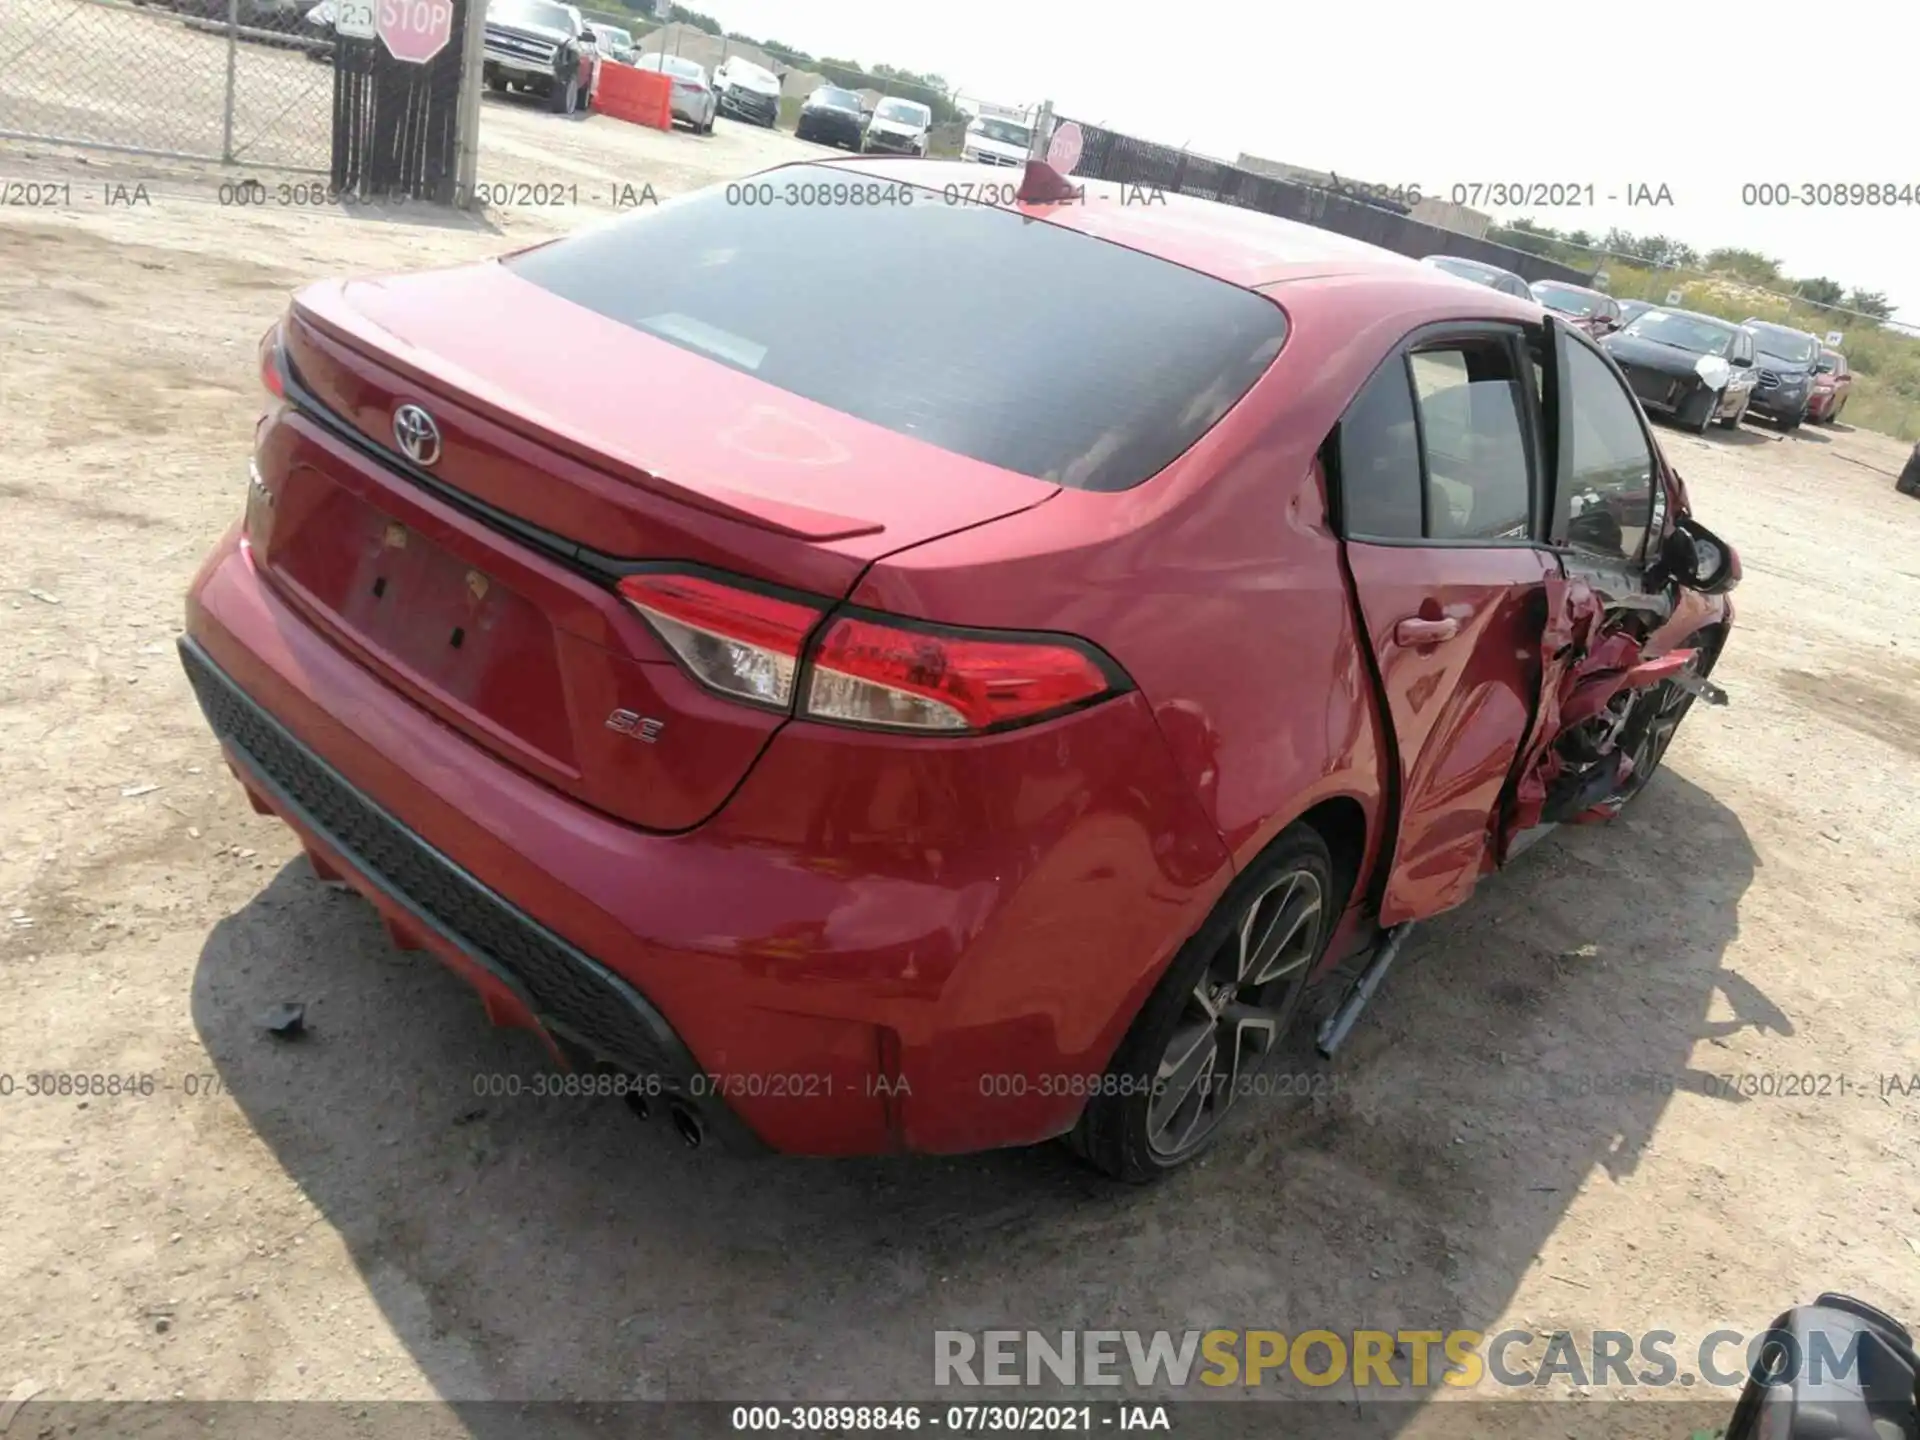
x: 1414, y: 632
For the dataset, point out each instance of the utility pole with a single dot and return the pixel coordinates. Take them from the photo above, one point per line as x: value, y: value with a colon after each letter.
x: 1042, y: 131
x: 473, y: 42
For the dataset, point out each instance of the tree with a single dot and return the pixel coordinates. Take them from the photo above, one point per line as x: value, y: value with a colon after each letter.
x: 696, y: 19
x: 1870, y: 302
x: 1524, y: 234
x: 1820, y: 290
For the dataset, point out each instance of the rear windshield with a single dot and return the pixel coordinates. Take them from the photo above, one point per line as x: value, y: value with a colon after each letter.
x: 1011, y: 341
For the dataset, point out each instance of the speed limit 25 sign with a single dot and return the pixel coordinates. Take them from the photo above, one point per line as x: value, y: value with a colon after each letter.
x: 414, y: 30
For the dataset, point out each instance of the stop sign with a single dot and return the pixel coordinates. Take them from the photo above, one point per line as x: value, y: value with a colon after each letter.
x: 415, y: 30
x: 1063, y: 153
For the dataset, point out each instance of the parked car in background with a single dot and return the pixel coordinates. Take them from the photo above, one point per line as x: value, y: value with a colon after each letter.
x: 1788, y: 362
x: 695, y: 103
x: 747, y: 91
x: 996, y: 140
x: 1832, y: 380
x: 1630, y: 309
x: 1492, y: 276
x: 791, y: 686
x: 614, y: 43
x: 1697, y: 369
x: 540, y: 47
x: 320, y: 32
x: 283, y: 16
x: 592, y: 56
x: 832, y: 116
x: 898, y: 127
x: 1593, y: 311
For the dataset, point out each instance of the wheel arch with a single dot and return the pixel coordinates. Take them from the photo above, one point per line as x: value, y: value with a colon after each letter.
x: 1341, y: 821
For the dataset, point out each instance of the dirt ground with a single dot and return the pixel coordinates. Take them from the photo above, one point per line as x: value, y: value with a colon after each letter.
x: 1526, y: 1130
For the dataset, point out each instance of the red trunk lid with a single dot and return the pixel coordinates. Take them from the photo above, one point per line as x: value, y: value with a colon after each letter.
x: 607, y: 442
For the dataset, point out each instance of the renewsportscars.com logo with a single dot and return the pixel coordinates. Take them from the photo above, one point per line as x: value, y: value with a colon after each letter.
x: 1383, y: 1360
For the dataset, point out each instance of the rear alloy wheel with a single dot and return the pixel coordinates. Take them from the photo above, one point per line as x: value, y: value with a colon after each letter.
x: 1221, y: 1010
x: 1651, y: 728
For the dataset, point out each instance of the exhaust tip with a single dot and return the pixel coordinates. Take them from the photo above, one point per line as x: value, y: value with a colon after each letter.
x: 687, y: 1125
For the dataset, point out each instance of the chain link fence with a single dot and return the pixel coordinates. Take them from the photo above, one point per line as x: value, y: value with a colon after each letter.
x: 246, y: 82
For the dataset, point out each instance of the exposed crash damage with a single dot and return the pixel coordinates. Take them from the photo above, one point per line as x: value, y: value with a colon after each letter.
x: 1623, y: 655
x: 1612, y: 693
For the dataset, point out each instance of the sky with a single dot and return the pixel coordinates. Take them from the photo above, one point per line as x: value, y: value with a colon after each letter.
x: 1702, y: 99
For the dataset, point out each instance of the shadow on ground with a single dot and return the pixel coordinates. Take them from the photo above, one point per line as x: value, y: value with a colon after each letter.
x: 549, y: 1249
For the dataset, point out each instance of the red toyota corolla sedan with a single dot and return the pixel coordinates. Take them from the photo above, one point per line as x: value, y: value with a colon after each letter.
x: 881, y: 671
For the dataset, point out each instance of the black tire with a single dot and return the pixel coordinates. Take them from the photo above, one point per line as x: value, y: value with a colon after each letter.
x: 497, y: 84
x: 561, y: 99
x: 1214, y: 1011
x: 1709, y: 403
x: 1909, y: 481
x: 1838, y: 410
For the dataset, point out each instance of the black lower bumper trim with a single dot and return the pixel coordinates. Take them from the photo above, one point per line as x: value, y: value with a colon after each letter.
x: 573, y: 996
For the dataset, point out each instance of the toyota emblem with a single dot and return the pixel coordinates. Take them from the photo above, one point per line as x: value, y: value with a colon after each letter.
x: 418, y: 436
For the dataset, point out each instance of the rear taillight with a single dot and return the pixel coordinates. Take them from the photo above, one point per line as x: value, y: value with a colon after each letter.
x: 740, y: 642
x: 272, y: 376
x: 870, y: 672
x: 258, y: 526
x: 864, y: 668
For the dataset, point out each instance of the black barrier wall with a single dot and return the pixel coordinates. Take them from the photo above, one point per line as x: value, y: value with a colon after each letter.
x: 394, y: 124
x: 1106, y: 155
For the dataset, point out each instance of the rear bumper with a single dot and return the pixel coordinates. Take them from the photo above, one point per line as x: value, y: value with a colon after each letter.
x: 927, y: 954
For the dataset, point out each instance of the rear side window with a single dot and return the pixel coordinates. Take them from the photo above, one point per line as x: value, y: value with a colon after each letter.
x: 1432, y: 448
x: 1380, y: 459
x: 1011, y: 341
x: 1476, y: 453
